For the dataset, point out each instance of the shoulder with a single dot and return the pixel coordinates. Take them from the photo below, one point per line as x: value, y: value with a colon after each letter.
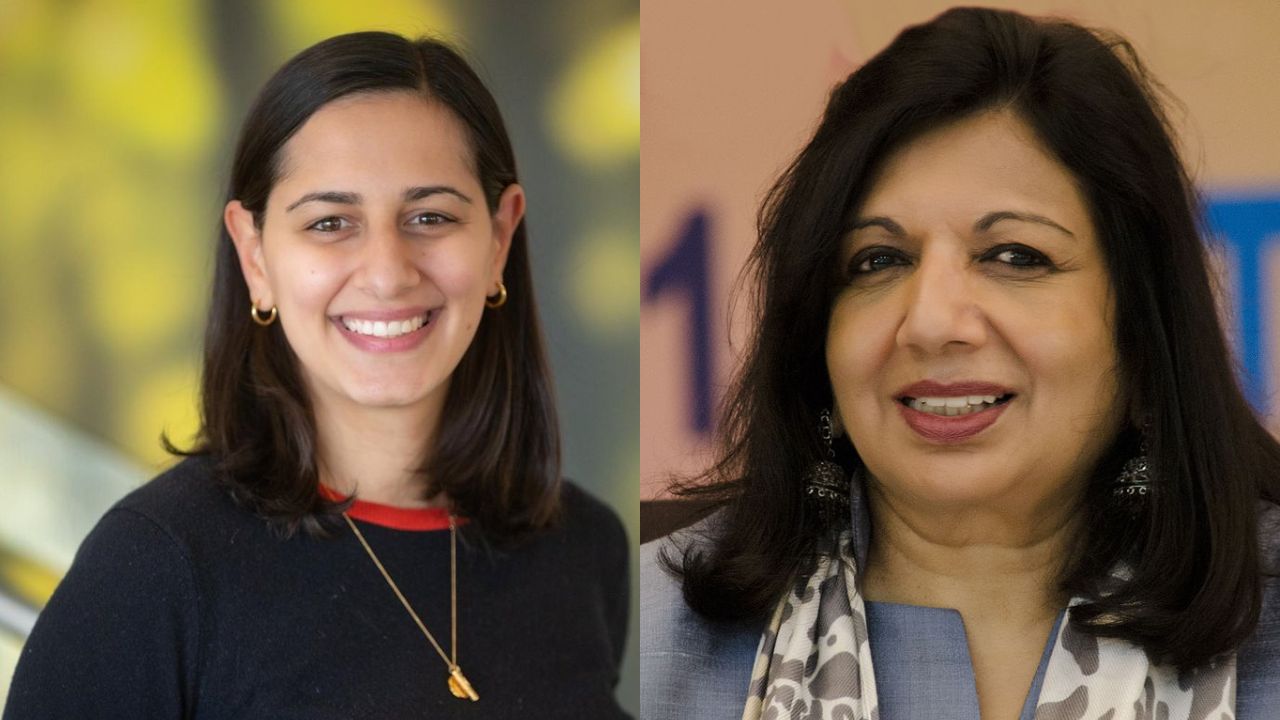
x: 661, y: 593
x: 1269, y: 535
x: 663, y: 611
x: 187, y: 509
x: 662, y: 605
x: 123, y: 628
x: 184, y: 498
x: 689, y: 666
x: 1269, y: 552
x: 160, y: 528
x: 184, y: 508
x: 1259, y: 658
x: 587, y: 522
x: 586, y: 544
x: 582, y: 512
x: 178, y: 504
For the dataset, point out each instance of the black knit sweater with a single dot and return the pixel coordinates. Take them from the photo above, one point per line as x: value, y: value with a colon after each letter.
x: 180, y: 604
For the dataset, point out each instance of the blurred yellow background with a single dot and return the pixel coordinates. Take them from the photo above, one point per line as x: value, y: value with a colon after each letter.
x: 116, y: 124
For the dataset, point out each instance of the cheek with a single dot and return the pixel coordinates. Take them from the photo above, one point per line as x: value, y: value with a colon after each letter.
x: 1069, y: 350
x: 309, y: 284
x: 459, y: 272
x: 859, y: 342
x: 304, y: 279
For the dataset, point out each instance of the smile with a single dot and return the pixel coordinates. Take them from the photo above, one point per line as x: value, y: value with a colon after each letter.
x: 386, y: 329
x: 954, y: 406
x: 949, y: 413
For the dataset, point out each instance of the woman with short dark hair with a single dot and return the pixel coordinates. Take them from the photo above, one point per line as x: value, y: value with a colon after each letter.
x: 983, y: 296
x: 372, y: 523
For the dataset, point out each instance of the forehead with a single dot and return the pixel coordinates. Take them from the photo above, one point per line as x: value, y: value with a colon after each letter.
x: 992, y: 161
x: 383, y: 138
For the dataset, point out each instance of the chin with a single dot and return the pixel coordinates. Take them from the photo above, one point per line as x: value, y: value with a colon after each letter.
x: 389, y: 396
x: 962, y: 492
x: 956, y: 487
x: 388, y: 402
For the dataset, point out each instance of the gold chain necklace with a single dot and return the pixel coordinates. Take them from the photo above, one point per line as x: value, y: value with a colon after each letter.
x: 458, y: 684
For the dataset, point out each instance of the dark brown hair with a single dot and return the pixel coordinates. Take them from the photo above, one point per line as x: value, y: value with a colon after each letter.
x: 1195, y: 589
x: 496, y: 455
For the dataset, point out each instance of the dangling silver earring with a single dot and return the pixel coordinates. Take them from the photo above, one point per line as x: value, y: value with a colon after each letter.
x: 826, y: 487
x: 1133, y: 488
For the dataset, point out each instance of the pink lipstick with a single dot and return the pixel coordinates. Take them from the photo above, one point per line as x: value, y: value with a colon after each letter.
x: 973, y: 418
x: 394, y: 337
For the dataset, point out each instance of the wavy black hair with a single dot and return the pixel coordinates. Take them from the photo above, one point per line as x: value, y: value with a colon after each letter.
x: 1195, y: 589
x: 496, y: 455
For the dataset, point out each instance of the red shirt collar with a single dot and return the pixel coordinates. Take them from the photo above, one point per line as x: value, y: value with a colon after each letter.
x: 398, y: 518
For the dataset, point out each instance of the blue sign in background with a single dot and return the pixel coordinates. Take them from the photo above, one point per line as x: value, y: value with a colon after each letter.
x: 1248, y: 226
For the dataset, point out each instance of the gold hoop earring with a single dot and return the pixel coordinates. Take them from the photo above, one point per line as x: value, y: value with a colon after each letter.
x: 263, y: 321
x: 498, y: 300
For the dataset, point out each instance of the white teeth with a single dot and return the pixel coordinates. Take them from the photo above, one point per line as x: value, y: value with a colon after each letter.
x: 385, y: 329
x: 952, y: 406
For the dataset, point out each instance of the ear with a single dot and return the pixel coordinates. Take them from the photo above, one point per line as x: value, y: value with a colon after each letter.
x: 248, y: 241
x: 506, y: 219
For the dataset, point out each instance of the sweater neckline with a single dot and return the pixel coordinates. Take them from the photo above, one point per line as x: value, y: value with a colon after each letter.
x: 390, y: 516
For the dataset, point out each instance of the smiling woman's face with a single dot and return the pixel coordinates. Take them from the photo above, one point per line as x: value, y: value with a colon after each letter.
x: 974, y: 274
x: 378, y: 249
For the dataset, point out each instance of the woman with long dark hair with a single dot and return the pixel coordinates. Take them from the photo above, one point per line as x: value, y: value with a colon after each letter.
x: 372, y: 523
x: 986, y: 456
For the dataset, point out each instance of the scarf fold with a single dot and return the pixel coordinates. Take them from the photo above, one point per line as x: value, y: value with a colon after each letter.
x: 814, y: 659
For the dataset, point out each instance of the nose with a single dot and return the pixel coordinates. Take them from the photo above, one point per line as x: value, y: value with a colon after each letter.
x: 387, y: 267
x: 943, y: 311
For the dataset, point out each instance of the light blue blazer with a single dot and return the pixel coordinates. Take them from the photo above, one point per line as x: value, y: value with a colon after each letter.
x: 693, y: 669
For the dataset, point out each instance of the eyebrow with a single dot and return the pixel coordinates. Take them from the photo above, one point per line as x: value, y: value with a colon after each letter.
x: 984, y: 223
x: 991, y: 218
x: 885, y: 223
x: 350, y: 198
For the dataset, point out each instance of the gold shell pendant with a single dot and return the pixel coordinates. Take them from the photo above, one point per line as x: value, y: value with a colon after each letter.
x: 459, y: 686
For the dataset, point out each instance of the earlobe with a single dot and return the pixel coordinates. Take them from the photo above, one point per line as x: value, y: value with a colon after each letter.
x: 248, y: 243
x: 506, y: 218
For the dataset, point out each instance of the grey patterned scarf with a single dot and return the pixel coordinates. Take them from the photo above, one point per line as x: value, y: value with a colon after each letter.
x: 814, y: 660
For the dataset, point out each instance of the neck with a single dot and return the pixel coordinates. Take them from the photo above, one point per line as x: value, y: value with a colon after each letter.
x: 992, y: 566
x: 377, y: 452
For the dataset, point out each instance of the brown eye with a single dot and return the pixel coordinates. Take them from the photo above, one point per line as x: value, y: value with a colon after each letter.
x: 873, y: 260
x: 1018, y: 256
x: 327, y: 225
x: 430, y: 218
